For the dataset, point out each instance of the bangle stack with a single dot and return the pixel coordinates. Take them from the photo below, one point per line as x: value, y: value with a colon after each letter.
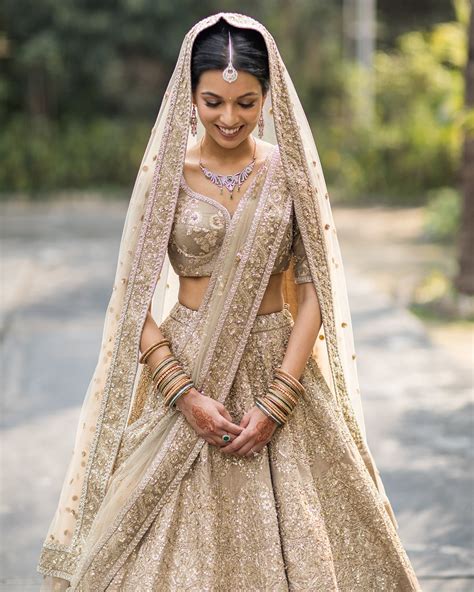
x: 146, y: 354
x: 171, y: 381
x: 281, y: 397
x: 168, y: 376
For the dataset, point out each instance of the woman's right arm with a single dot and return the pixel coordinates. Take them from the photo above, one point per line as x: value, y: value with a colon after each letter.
x: 208, y: 417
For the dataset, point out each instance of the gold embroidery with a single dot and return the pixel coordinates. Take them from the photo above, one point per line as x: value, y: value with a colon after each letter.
x: 325, y: 469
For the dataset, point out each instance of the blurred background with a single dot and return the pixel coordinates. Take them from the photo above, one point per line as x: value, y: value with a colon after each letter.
x: 388, y: 88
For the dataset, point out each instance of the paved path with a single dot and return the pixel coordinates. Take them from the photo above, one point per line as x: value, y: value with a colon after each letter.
x: 57, y: 269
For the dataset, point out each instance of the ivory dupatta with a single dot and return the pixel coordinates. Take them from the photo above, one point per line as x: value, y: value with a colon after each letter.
x: 227, y: 313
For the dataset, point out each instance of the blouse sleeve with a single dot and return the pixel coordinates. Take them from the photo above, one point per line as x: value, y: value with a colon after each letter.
x: 301, y: 266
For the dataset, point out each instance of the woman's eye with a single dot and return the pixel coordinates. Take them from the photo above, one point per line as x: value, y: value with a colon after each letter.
x: 244, y: 105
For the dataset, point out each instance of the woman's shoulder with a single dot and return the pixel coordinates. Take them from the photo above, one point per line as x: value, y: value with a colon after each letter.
x: 191, y: 160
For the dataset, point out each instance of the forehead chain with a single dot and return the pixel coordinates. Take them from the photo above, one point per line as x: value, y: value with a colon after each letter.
x: 230, y: 73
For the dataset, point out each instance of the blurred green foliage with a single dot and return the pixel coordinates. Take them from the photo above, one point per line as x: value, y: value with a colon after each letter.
x: 415, y: 141
x: 97, y: 153
x: 83, y: 81
x: 442, y: 214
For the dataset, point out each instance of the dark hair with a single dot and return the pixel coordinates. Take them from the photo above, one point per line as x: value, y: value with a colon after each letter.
x: 211, y: 52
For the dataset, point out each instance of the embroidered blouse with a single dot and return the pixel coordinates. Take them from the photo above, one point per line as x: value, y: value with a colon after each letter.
x: 198, y: 231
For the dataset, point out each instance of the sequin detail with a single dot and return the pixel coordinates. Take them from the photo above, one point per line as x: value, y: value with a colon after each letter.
x: 273, y: 522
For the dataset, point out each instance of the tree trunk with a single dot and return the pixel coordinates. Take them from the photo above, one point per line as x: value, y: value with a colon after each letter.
x: 465, y: 279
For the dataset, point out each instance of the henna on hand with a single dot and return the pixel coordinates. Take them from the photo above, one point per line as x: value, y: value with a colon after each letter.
x: 264, y: 429
x: 203, y: 419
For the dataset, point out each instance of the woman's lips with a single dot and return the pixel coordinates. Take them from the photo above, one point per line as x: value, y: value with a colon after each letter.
x: 229, y: 136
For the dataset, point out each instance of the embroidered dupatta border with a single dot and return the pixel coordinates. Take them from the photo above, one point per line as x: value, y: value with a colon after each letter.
x: 147, y: 265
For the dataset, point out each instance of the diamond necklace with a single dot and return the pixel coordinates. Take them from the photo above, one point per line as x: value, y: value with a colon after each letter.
x: 228, y: 181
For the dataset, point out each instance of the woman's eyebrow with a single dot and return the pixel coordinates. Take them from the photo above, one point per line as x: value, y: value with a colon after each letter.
x: 208, y: 92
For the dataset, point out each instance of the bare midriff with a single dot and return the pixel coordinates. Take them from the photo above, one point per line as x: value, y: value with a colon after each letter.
x: 192, y: 290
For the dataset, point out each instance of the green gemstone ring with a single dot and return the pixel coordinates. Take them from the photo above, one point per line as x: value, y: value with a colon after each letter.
x: 226, y: 437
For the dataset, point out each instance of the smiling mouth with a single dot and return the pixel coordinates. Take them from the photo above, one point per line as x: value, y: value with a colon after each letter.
x: 229, y: 132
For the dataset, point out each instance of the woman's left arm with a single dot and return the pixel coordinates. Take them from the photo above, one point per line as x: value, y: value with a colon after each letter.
x: 305, y: 330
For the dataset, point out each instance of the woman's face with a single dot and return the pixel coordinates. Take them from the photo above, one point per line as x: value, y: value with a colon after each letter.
x: 228, y: 111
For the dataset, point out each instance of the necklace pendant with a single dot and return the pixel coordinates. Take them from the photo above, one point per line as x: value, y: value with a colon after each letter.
x: 228, y: 181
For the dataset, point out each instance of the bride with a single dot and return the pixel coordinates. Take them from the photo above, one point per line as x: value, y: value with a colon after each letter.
x: 221, y: 442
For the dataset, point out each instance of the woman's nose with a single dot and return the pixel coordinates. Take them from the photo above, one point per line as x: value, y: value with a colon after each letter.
x: 229, y: 118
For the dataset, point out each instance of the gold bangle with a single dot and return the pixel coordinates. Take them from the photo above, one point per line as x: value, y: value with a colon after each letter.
x: 162, y: 366
x: 284, y: 408
x: 264, y: 408
x: 289, y: 376
x: 282, y: 380
x: 275, y: 410
x: 169, y: 394
x: 169, y: 369
x: 285, y: 395
x: 171, y: 383
x: 148, y: 361
x: 152, y: 348
x: 291, y: 379
x: 289, y: 384
x: 174, y: 372
x: 280, y: 400
x: 285, y: 392
x: 162, y: 363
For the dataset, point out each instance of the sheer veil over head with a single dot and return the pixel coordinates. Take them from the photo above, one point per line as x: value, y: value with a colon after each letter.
x: 145, y: 277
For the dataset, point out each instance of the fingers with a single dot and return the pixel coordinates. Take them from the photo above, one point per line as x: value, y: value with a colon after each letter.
x: 238, y: 446
x: 227, y: 427
x: 234, y: 446
x: 255, y: 433
x: 224, y: 426
x: 246, y: 448
x: 254, y: 451
x: 224, y: 423
x: 225, y: 413
x: 220, y: 427
x: 250, y: 439
x: 244, y: 422
x: 215, y: 440
x: 209, y: 419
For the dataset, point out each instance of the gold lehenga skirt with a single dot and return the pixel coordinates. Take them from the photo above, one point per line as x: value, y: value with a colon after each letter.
x: 303, y: 515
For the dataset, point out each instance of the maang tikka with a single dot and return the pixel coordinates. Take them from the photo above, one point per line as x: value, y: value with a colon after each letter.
x: 230, y: 73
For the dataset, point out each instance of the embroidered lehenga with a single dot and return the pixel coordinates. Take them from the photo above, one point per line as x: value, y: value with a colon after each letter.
x: 147, y: 504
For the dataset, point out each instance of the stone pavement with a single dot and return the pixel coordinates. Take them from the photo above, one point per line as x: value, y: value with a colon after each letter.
x: 57, y: 268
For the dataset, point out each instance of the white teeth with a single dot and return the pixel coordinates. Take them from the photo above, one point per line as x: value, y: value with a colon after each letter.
x: 229, y: 132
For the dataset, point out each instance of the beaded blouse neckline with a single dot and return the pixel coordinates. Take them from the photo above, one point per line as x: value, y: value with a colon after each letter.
x: 192, y: 193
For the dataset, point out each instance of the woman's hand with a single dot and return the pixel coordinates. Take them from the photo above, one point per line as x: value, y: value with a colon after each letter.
x: 208, y: 417
x: 259, y: 429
